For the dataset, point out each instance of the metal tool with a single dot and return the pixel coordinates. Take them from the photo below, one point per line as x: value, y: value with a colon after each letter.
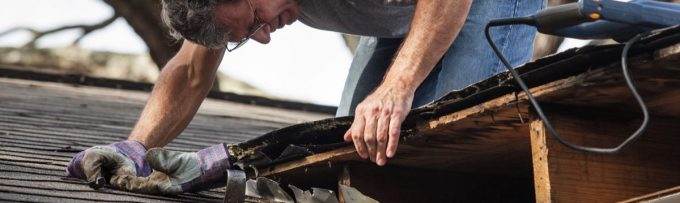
x: 595, y: 19
x: 606, y: 19
x: 236, y: 186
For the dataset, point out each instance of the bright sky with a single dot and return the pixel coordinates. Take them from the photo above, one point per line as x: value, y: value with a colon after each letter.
x: 301, y: 63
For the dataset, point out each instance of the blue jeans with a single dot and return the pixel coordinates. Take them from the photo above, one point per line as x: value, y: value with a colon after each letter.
x: 469, y: 59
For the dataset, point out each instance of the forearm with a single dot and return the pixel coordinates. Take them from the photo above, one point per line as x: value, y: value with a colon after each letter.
x: 180, y: 89
x: 435, y: 25
x: 376, y: 128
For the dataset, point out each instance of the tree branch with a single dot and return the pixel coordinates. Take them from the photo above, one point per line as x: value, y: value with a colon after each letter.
x: 144, y: 16
x: 86, y: 29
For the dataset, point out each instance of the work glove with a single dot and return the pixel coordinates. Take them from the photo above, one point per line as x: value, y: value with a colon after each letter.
x: 188, y: 172
x: 96, y: 164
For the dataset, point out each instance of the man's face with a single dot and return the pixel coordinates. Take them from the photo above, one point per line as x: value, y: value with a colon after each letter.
x: 238, y: 16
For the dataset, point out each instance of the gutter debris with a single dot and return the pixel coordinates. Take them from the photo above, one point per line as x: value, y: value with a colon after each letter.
x: 353, y: 195
x: 266, y: 190
x: 317, y: 195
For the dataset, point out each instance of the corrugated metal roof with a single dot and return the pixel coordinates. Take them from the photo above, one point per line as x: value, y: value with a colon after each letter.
x: 42, y: 125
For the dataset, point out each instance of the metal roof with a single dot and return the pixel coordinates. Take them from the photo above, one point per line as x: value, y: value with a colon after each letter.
x: 43, y: 124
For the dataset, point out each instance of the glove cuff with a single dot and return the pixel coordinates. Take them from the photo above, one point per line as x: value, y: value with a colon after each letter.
x: 214, y: 162
x: 135, y: 151
x: 74, y: 169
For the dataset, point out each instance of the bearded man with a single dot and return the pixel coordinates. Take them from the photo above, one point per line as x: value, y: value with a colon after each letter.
x: 410, y: 53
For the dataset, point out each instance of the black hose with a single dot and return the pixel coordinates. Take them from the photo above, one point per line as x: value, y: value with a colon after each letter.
x: 539, y: 110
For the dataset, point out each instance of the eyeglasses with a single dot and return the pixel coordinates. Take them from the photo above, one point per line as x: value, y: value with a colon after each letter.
x: 231, y: 46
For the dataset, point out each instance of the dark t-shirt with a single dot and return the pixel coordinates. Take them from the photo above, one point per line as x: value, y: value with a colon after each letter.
x: 380, y: 18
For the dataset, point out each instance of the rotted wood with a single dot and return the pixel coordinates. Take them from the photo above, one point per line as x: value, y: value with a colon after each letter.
x: 657, y: 78
x: 493, y: 137
x: 562, y: 174
x: 479, y: 114
x: 476, y: 144
x: 321, y: 160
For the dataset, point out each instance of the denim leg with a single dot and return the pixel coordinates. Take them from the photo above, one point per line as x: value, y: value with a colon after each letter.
x: 470, y: 59
x: 426, y: 92
x: 371, y: 60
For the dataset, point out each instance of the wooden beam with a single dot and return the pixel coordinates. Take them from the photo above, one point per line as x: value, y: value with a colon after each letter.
x: 497, y: 131
x: 326, y: 158
x: 667, y: 195
x: 562, y: 174
x: 539, y: 151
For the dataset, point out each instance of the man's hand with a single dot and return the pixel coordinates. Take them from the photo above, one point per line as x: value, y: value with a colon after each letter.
x: 378, y: 118
x: 377, y: 122
x: 179, y: 172
x: 120, y: 158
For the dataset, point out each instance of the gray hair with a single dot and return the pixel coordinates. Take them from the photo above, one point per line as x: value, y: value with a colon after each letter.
x: 194, y: 20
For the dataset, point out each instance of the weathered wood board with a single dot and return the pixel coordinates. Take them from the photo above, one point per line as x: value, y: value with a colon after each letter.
x: 495, y: 136
x: 562, y: 174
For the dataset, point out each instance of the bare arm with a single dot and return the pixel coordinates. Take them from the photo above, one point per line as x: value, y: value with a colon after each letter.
x: 435, y: 24
x: 182, y: 86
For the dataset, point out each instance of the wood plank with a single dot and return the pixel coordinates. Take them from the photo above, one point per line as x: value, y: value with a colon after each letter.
x: 476, y: 138
x: 650, y: 164
x: 496, y: 132
x: 500, y: 135
x: 659, y: 196
x: 539, y: 151
x: 326, y: 158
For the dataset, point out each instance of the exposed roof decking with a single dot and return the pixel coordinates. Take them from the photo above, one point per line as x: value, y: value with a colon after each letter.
x: 43, y: 124
x: 489, y: 130
x: 480, y: 127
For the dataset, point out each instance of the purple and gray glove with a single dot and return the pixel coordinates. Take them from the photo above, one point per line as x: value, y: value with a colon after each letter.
x: 190, y: 172
x: 96, y: 164
x: 124, y: 165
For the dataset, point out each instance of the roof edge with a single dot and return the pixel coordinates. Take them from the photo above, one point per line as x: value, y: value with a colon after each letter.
x: 7, y: 71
